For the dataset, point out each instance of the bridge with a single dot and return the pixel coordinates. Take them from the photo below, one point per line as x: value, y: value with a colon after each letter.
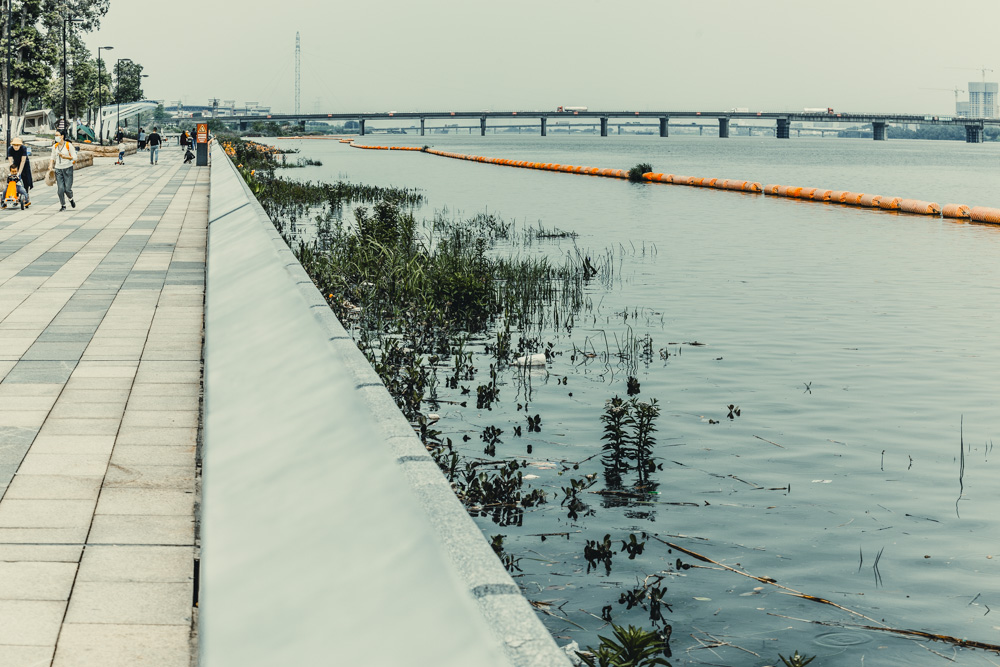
x: 974, y: 127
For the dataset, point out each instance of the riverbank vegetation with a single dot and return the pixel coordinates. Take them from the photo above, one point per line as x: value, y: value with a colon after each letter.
x: 465, y: 316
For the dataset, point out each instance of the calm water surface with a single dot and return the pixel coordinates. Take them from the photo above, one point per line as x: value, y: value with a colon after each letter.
x: 861, y: 344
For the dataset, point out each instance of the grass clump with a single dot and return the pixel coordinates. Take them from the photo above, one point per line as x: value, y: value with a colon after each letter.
x: 636, y: 172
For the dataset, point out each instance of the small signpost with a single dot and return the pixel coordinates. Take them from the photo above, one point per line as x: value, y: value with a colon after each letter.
x: 201, y: 139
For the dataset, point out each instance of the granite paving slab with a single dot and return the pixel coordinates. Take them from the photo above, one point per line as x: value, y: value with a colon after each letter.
x: 101, y: 319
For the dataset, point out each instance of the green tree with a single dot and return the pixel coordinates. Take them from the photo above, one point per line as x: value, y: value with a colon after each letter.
x: 128, y: 82
x: 160, y: 113
x: 35, y: 39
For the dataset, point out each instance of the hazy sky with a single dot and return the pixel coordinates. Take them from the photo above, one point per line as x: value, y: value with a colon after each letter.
x: 853, y: 55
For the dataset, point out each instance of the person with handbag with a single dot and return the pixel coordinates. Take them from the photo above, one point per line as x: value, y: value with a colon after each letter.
x: 63, y: 157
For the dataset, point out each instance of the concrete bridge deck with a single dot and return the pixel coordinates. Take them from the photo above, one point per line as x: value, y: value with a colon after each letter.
x: 101, y: 318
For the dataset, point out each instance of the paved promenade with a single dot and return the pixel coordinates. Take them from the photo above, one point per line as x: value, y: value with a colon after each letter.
x: 101, y: 313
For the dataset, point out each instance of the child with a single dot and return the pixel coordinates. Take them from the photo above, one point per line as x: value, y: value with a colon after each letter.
x: 14, y: 189
x: 121, y: 152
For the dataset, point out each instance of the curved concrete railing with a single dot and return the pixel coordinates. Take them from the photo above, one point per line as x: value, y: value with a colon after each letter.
x: 329, y: 536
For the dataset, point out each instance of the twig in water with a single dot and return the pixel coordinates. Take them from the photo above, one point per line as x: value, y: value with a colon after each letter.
x: 961, y: 464
x: 766, y: 440
x: 878, y: 575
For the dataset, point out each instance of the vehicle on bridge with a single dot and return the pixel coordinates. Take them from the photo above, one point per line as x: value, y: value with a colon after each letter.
x: 570, y: 109
x: 828, y: 110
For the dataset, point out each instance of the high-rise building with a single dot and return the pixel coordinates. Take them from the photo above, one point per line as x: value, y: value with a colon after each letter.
x: 983, y: 99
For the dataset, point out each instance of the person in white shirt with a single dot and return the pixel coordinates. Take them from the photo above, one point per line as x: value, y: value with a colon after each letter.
x: 63, y: 157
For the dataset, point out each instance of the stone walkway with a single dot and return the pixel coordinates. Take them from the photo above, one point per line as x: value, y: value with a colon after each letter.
x: 101, y: 314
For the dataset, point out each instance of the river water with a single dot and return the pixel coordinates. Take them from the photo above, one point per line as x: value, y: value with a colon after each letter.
x: 860, y: 346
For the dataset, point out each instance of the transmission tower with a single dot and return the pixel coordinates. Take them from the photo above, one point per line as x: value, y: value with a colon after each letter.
x: 298, y: 75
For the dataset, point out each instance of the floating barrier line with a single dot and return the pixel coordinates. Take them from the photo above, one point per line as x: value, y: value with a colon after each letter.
x: 840, y: 197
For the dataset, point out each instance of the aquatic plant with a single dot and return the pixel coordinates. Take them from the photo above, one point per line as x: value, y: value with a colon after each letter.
x: 631, y: 647
x: 796, y: 660
x: 644, y: 423
x: 509, y: 562
x: 615, y: 418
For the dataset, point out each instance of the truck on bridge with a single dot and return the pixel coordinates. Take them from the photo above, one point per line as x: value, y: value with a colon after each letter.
x: 828, y: 110
x: 570, y: 109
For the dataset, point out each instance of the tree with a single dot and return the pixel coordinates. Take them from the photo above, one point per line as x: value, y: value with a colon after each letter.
x: 128, y: 79
x: 36, y: 32
x: 160, y: 113
x: 81, y: 88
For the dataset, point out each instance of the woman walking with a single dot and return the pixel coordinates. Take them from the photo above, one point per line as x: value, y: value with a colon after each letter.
x: 17, y: 157
x: 63, y: 157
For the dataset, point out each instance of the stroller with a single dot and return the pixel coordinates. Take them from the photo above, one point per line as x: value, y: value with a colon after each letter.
x: 15, y: 193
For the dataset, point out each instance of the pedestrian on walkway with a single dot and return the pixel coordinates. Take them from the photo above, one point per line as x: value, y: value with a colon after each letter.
x: 184, y: 139
x: 17, y: 157
x: 142, y: 139
x: 119, y: 136
x: 153, y: 140
x: 63, y: 157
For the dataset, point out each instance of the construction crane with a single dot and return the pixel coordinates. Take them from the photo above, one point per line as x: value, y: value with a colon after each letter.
x: 983, y: 69
x: 956, y: 90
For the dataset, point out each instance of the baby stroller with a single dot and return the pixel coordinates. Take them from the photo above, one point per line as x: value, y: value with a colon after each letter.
x: 15, y: 194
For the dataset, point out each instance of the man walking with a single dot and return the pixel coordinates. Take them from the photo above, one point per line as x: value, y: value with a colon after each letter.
x: 153, y: 141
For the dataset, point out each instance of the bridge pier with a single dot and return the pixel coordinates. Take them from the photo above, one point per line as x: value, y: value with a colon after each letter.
x: 361, y: 127
x: 664, y: 131
x: 482, y: 126
x: 421, y: 127
x: 782, y: 130
x: 604, y: 127
x: 974, y: 134
x: 544, y: 119
x: 878, y: 130
x: 723, y: 128
x: 244, y: 126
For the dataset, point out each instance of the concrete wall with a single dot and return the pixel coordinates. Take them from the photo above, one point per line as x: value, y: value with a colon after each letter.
x: 329, y: 536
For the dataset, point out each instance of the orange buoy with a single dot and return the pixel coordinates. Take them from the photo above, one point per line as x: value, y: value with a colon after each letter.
x: 919, y: 207
x: 889, y: 203
x: 771, y: 189
x: 985, y: 214
x: 871, y: 201
x: 955, y: 211
x: 754, y: 187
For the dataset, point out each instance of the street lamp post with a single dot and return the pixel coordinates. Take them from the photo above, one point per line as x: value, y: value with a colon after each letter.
x: 65, y: 109
x: 100, y: 86
x: 6, y: 68
x: 118, y: 90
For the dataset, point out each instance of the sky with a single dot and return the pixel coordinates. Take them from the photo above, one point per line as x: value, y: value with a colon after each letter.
x: 404, y: 55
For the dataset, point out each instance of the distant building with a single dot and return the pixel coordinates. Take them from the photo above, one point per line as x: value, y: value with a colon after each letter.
x: 983, y: 99
x: 962, y: 109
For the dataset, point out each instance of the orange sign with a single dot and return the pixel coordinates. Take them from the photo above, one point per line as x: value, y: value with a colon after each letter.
x: 202, y: 133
